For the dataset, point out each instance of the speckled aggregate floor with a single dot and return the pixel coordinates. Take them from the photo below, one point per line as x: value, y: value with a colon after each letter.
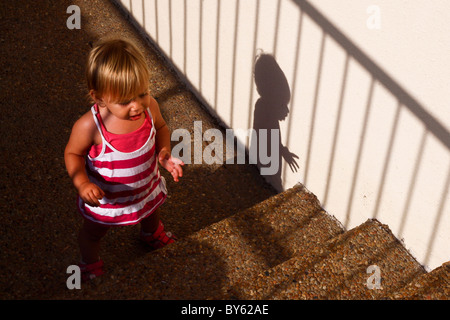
x: 238, y: 240
x: 43, y: 93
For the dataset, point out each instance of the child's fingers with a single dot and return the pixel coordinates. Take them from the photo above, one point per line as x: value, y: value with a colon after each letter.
x: 177, y: 161
x: 99, y: 193
x: 177, y: 172
x: 94, y: 198
x: 91, y: 200
x: 175, y: 175
x: 91, y: 193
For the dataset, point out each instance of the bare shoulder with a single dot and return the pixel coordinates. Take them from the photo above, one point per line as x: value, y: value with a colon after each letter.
x: 156, y: 114
x: 154, y: 106
x: 84, y: 131
x: 86, y: 124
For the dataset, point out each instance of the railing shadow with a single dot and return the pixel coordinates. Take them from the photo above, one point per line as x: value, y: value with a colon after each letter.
x: 404, y: 101
x: 404, y: 98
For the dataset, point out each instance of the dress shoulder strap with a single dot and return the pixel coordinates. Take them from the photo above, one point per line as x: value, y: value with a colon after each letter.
x: 94, y: 110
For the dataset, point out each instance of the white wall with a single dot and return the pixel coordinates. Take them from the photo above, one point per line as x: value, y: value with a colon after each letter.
x: 368, y: 91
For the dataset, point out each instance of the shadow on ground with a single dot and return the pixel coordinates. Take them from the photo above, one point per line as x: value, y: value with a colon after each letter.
x: 43, y: 93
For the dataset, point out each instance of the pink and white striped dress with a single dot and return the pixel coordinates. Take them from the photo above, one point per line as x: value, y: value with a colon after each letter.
x: 130, y: 178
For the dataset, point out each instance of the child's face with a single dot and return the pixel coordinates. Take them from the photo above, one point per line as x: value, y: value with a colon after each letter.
x: 131, y: 109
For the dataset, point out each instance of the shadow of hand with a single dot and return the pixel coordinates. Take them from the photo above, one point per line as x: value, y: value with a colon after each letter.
x: 289, y: 158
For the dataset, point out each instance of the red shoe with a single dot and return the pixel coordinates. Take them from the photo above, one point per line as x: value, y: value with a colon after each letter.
x: 91, y: 271
x: 159, y: 238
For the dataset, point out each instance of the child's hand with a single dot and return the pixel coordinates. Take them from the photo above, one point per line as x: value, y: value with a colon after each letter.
x: 171, y: 164
x: 91, y: 193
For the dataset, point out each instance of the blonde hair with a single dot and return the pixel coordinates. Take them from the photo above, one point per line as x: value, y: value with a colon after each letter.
x: 116, y: 68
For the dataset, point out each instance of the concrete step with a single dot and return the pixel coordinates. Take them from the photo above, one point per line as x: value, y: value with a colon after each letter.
x: 211, y: 263
x: 339, y: 269
x: 434, y: 285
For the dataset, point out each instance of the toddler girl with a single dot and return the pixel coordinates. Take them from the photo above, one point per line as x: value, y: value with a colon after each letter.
x: 113, y: 153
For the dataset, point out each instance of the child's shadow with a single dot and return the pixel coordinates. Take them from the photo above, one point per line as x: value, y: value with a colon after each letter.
x: 271, y: 107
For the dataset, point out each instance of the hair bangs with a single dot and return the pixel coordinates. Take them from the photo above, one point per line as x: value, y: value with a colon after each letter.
x: 117, y: 71
x: 124, y: 82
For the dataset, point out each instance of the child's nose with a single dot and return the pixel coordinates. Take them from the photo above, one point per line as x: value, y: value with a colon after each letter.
x: 136, y: 104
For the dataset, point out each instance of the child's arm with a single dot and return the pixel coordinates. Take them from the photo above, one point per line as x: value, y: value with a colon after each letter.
x: 163, y: 149
x: 80, y: 140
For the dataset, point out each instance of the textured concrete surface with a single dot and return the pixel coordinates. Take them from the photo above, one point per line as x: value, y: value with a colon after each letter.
x: 237, y: 240
x: 43, y: 93
x: 434, y: 285
x: 214, y: 262
x: 338, y: 268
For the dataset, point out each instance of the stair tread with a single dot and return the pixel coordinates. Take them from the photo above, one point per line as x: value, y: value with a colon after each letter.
x: 338, y: 270
x: 434, y: 285
x: 209, y: 262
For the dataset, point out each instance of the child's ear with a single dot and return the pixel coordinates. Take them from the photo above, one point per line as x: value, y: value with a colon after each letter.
x: 98, y: 100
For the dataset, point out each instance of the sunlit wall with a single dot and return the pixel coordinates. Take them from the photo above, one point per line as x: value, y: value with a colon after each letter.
x: 358, y: 89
